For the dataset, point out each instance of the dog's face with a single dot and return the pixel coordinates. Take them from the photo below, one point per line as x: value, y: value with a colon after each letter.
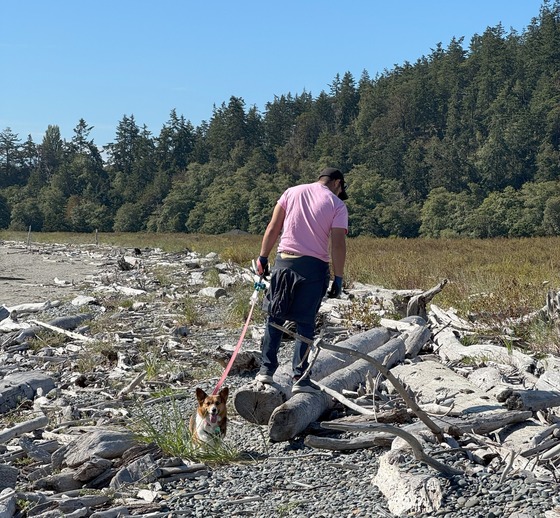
x: 212, y: 407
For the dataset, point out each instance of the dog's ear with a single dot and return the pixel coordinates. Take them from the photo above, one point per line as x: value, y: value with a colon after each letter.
x: 200, y: 395
x: 224, y: 393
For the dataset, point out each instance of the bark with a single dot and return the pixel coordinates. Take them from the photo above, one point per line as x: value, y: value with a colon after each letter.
x: 532, y: 400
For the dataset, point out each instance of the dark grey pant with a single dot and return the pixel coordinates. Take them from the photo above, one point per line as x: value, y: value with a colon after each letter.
x: 305, y: 300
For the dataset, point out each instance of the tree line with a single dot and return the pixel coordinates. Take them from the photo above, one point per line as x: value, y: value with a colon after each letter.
x: 465, y: 142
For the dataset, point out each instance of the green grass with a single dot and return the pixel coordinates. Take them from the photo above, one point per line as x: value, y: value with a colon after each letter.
x: 168, y: 428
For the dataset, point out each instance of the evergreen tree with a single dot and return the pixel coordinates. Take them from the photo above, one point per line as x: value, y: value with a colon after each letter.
x: 10, y: 153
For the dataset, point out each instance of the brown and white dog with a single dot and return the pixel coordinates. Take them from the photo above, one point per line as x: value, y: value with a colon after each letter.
x: 209, y: 423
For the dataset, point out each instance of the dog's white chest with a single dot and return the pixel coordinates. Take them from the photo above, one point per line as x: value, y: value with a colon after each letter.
x: 207, y: 431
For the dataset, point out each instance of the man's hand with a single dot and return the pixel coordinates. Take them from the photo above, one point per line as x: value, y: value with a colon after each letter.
x: 336, y: 288
x: 262, y: 266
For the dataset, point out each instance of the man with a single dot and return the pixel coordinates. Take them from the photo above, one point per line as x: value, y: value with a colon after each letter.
x: 306, y: 217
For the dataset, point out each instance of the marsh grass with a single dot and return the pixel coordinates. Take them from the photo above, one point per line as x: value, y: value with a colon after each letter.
x: 95, y: 354
x: 491, y: 279
x: 212, y: 277
x: 360, y: 314
x: 44, y: 338
x: 240, y: 305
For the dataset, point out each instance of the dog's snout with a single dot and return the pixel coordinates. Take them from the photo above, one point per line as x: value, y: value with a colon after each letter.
x: 213, y: 410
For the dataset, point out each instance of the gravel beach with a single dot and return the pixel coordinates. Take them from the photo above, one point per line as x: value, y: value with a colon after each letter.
x: 287, y: 478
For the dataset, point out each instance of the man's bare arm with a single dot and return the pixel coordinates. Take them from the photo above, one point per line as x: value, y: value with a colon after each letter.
x: 338, y: 250
x: 273, y: 230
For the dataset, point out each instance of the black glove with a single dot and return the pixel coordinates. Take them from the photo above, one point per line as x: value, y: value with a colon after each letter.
x: 262, y: 266
x: 336, y: 288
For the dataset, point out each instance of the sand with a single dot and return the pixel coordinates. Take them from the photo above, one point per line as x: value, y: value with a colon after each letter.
x: 28, y: 273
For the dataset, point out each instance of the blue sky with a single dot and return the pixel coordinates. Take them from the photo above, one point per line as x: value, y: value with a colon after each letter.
x: 63, y: 60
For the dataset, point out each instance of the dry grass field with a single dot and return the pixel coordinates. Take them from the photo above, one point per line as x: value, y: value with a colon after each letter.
x: 493, y: 280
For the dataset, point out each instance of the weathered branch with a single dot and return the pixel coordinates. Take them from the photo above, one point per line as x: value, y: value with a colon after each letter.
x: 417, y: 449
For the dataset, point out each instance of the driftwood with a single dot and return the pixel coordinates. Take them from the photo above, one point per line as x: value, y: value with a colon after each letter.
x: 40, y: 421
x: 433, y: 382
x: 384, y: 369
x: 450, y: 349
x: 355, y: 443
x: 417, y: 449
x: 407, y: 493
x: 417, y: 304
x: 345, y: 401
x: 548, y: 380
x: 491, y: 381
x: 532, y: 400
x: 485, y: 423
x: 292, y: 417
x: 514, y: 460
x: 71, y: 334
x: 395, y: 416
x: 443, y: 319
x: 256, y: 402
x: 416, y: 331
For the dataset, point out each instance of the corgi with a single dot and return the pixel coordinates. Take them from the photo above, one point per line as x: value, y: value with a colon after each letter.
x: 209, y: 422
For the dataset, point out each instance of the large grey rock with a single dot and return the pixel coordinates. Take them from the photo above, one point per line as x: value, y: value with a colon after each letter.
x: 143, y: 470
x: 59, y: 482
x: 92, y: 469
x: 21, y: 386
x: 8, y: 477
x: 106, y: 444
x: 214, y: 293
x: 7, y: 503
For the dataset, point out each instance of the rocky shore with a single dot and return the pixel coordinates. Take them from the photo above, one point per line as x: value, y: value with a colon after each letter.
x: 89, y: 333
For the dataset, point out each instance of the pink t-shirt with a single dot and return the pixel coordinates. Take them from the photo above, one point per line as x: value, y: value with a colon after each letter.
x: 311, y: 211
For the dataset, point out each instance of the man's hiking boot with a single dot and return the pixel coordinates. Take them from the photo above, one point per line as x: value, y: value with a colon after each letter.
x: 265, y: 377
x: 304, y: 385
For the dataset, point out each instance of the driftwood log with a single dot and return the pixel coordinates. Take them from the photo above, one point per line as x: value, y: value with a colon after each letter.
x: 532, y: 400
x: 417, y: 304
x: 410, y: 493
x: 256, y: 402
x: 293, y: 416
x: 433, y: 382
x: 451, y: 349
x: 416, y: 329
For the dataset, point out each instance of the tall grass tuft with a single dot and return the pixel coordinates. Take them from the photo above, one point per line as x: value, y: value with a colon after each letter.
x: 167, y: 427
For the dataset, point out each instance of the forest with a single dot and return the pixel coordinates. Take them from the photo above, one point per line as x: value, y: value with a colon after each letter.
x: 465, y: 142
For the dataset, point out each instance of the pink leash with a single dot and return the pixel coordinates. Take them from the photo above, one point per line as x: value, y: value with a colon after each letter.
x: 258, y: 287
x: 235, y: 351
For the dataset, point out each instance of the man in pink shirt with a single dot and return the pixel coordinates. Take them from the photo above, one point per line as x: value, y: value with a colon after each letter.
x: 306, y: 218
